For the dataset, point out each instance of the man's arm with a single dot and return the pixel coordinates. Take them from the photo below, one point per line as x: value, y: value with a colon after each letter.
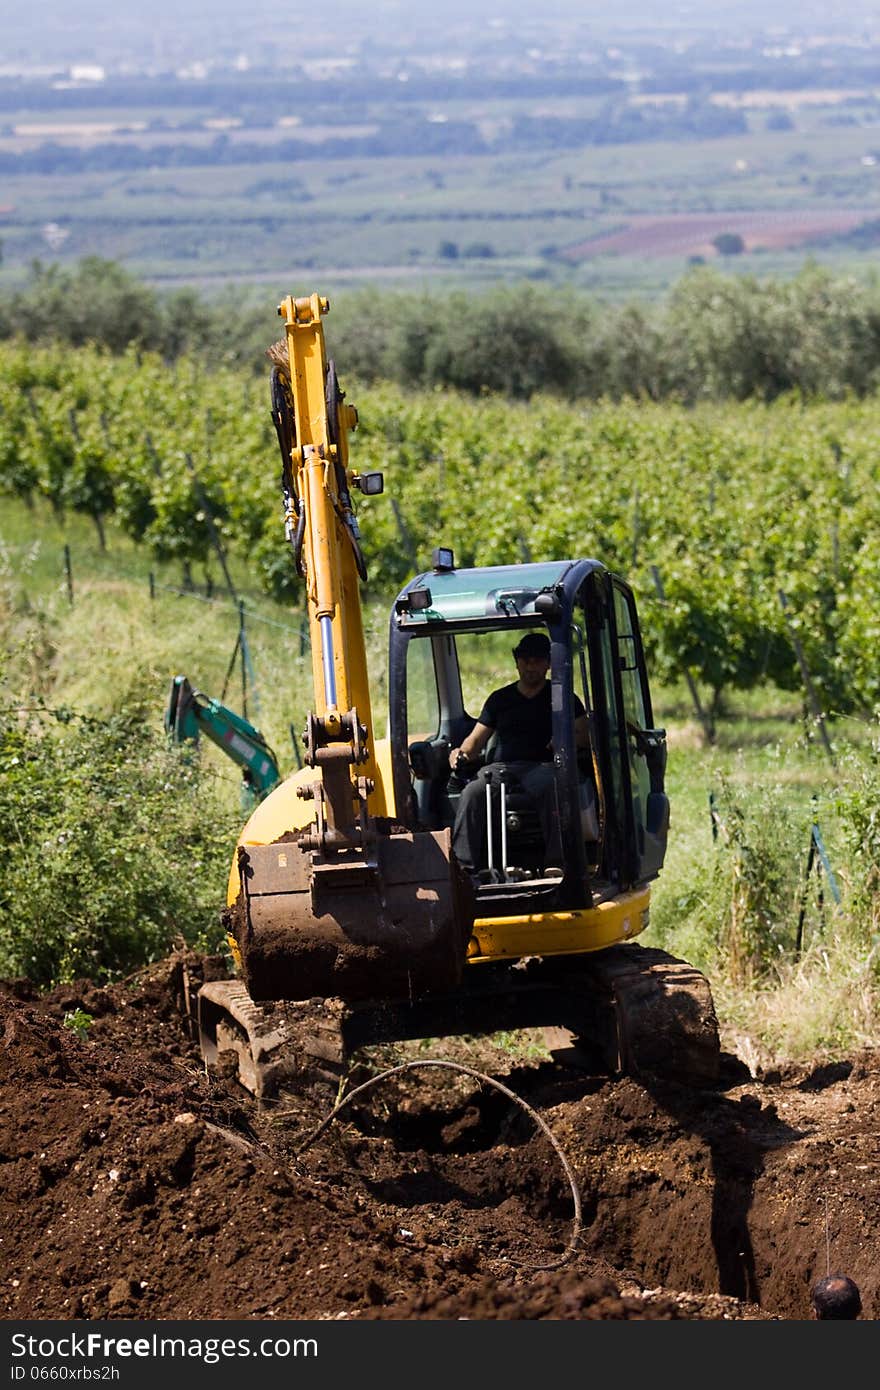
x: 472, y: 746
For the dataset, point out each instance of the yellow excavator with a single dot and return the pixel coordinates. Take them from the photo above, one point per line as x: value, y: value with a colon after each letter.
x: 350, y: 919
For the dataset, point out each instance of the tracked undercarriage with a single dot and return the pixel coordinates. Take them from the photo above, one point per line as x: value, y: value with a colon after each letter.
x: 629, y: 1010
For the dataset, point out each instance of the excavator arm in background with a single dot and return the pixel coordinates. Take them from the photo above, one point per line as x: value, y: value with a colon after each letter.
x: 189, y: 713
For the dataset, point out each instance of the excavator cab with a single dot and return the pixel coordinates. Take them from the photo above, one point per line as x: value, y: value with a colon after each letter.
x: 452, y: 632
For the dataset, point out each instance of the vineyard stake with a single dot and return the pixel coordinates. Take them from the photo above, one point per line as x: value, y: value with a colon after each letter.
x: 636, y: 528
x: 805, y: 676
x: 817, y: 847
x: 403, y: 532
x: 231, y: 667
x: 242, y: 641
x: 704, y: 718
x: 68, y: 569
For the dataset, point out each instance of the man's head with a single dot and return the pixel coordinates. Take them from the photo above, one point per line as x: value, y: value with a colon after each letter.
x: 532, y: 655
x: 836, y: 1296
x: 533, y: 645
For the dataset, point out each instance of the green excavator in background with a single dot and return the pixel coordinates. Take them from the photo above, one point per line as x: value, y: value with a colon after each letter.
x: 189, y: 713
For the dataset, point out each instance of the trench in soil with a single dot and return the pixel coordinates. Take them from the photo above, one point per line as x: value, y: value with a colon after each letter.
x: 135, y: 1184
x: 679, y: 1189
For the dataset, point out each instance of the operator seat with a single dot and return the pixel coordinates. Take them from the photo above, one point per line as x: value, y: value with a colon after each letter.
x: 437, y: 790
x: 525, y: 840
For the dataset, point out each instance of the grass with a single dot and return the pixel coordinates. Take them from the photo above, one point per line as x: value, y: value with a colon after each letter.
x: 736, y: 901
x: 729, y: 902
x: 114, y: 642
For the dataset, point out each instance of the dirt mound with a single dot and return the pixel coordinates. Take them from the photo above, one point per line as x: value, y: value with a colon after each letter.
x: 135, y: 1185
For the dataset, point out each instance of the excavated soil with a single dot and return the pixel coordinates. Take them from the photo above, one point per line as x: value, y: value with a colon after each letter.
x: 136, y: 1186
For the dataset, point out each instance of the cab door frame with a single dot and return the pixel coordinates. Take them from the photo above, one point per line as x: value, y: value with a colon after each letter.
x: 631, y: 751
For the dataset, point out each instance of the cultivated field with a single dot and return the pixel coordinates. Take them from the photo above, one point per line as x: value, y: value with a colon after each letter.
x: 692, y: 234
x: 556, y: 214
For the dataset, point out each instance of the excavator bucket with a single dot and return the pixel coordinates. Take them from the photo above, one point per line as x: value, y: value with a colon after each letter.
x: 387, y: 926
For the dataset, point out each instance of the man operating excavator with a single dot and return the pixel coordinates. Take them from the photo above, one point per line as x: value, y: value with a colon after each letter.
x: 520, y: 714
x: 346, y: 901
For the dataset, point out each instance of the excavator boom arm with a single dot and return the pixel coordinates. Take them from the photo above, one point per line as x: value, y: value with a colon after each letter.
x: 350, y: 904
x: 330, y: 558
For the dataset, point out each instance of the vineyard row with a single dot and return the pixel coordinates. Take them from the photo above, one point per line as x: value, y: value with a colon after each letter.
x: 759, y: 524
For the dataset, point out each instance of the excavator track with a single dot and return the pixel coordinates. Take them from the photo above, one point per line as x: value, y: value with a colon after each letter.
x: 665, y: 1022
x: 631, y: 1009
x: 269, y: 1048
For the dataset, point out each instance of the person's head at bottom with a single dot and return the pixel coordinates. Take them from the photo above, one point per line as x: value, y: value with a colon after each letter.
x: 835, y: 1297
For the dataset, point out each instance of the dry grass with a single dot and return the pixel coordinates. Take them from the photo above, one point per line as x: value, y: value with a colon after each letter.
x: 811, y: 1010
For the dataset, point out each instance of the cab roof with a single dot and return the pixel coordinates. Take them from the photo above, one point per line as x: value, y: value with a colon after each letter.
x: 489, y: 591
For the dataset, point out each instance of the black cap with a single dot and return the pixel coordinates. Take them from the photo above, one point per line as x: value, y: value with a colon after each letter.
x: 534, y: 644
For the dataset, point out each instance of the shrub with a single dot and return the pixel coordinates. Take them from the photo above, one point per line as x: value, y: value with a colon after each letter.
x: 729, y: 244
x: 112, y: 847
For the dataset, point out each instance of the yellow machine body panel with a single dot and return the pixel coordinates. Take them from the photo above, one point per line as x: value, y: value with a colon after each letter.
x: 284, y: 810
x: 560, y: 933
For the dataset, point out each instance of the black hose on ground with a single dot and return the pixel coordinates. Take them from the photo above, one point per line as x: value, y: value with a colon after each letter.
x: 505, y: 1091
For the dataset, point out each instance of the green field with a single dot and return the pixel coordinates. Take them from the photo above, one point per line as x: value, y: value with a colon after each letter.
x: 363, y: 220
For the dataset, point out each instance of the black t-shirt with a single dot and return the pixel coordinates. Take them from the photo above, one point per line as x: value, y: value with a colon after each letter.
x: 524, y: 726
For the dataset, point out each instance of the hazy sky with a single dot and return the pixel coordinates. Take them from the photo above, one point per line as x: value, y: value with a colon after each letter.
x: 75, y: 27
x: 171, y: 31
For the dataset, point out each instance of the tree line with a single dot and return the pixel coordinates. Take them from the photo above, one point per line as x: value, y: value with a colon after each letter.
x: 715, y: 336
x: 616, y: 124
